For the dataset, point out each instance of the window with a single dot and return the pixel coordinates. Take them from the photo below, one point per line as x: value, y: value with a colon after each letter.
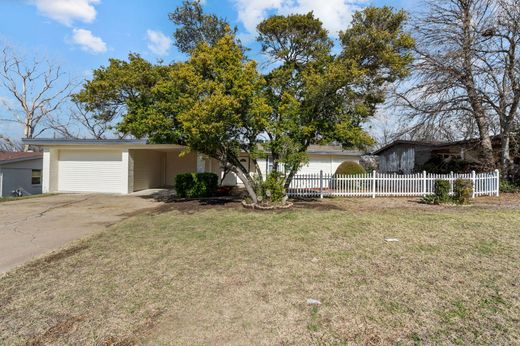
x: 36, y: 178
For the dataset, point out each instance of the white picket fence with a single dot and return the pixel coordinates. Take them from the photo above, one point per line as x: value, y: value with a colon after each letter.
x: 381, y: 185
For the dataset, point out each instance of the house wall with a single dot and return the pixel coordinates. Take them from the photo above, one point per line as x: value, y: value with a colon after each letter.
x: 176, y: 164
x: 148, y: 169
x: 19, y: 175
x: 403, y: 158
x: 326, y: 163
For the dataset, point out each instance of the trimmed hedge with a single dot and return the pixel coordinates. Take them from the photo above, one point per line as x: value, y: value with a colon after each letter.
x: 195, y: 185
x: 350, y: 168
x: 442, y: 191
x: 462, y: 191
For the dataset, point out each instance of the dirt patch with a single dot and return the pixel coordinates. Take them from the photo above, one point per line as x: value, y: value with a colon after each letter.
x: 191, y: 206
x: 53, y: 257
x: 55, y: 332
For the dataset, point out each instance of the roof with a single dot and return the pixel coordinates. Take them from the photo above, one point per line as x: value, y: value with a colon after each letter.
x: 64, y: 141
x: 332, y: 150
x: 313, y: 149
x: 402, y: 141
x: 15, y: 156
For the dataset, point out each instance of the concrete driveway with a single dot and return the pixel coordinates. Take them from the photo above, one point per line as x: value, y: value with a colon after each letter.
x: 33, y: 227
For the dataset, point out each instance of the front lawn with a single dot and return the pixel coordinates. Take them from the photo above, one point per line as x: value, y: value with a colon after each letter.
x: 224, y: 275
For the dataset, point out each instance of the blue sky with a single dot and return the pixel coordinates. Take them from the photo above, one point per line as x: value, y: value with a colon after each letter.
x: 83, y: 34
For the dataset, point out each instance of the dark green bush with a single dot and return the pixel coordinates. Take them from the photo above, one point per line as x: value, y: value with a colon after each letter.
x: 462, y: 191
x: 350, y: 168
x: 509, y: 187
x: 442, y: 191
x: 195, y: 185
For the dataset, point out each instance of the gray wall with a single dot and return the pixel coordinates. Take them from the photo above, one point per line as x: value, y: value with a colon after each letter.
x: 19, y: 174
x: 403, y: 158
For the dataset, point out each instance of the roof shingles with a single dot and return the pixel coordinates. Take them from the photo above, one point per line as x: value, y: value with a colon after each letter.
x: 17, y: 155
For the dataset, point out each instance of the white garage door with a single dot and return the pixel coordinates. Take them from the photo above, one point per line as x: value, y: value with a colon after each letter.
x: 90, y: 171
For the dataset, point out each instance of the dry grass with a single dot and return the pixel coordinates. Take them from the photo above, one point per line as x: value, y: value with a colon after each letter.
x: 224, y: 275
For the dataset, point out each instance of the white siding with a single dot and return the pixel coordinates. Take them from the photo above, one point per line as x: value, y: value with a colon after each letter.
x: 326, y: 163
x: 90, y: 171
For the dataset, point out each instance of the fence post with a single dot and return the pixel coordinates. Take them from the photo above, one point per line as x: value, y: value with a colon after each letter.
x: 321, y: 184
x: 497, y: 172
x: 374, y: 183
x: 474, y: 181
x: 452, y: 183
x: 424, y: 183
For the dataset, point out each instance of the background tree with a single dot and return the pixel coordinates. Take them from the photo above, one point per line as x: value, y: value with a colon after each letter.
x: 83, y: 124
x: 115, y: 95
x: 317, y: 97
x: 8, y: 144
x: 196, y: 27
x: 499, y: 70
x: 37, y: 88
x: 446, y: 86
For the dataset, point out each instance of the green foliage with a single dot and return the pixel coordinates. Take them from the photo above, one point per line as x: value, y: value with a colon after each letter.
x: 442, y: 190
x: 218, y: 103
x: 429, y: 199
x: 350, y: 168
x: 297, y: 39
x: 462, y: 191
x: 272, y: 189
x: 377, y: 41
x: 195, y: 185
x: 509, y: 187
x: 195, y: 27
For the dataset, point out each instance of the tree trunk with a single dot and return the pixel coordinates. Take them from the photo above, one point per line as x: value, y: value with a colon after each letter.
x: 290, y: 176
x: 247, y: 183
x: 505, y: 158
x: 469, y: 82
x: 27, y: 132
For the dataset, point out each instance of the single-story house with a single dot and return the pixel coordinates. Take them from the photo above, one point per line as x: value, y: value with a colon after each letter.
x: 20, y: 171
x: 128, y: 165
x: 404, y: 156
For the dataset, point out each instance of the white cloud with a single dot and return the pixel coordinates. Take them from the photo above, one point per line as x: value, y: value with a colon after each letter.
x: 67, y: 11
x: 88, y: 42
x: 335, y: 14
x: 158, y: 42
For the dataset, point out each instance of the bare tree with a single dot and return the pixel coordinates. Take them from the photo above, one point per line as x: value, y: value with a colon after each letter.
x: 7, y: 144
x: 38, y: 89
x: 499, y: 70
x: 80, y: 124
x: 446, y: 87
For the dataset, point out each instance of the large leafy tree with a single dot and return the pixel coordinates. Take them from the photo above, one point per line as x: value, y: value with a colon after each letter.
x: 195, y: 27
x: 317, y: 97
x: 218, y: 103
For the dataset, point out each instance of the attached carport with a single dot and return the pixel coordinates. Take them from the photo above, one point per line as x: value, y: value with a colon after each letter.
x: 113, y: 165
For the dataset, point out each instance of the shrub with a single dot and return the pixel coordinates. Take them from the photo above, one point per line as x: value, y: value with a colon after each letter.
x: 350, y: 168
x: 462, y: 191
x: 442, y: 191
x: 272, y: 190
x: 194, y: 185
x: 508, y: 187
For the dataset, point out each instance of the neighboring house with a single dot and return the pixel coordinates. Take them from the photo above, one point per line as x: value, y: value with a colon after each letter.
x: 128, y: 165
x: 20, y: 171
x: 402, y: 156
